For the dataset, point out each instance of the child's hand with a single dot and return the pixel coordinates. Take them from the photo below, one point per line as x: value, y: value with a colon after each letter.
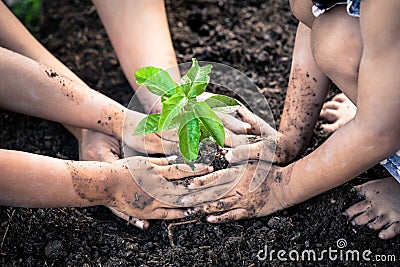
x: 239, y: 202
x: 130, y: 198
x: 242, y: 121
x: 97, y: 146
x: 268, y: 149
x: 165, y: 142
x: 257, y: 125
x: 266, y: 140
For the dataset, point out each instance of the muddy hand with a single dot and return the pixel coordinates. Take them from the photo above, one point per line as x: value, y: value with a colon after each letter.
x: 237, y: 130
x: 258, y: 125
x: 139, y: 196
x: 244, y: 127
x: 96, y: 146
x: 262, y: 149
x: 165, y: 143
x: 259, y: 146
x: 239, y: 202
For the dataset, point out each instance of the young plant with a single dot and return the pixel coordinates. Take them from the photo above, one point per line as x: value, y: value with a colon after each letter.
x: 195, y: 120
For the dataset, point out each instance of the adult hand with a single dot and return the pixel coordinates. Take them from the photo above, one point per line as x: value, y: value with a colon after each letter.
x: 240, y: 202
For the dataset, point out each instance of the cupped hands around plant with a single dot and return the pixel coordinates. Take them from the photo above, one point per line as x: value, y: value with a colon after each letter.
x: 195, y: 120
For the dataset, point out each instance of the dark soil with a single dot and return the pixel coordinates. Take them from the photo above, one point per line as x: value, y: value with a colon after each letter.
x: 255, y: 37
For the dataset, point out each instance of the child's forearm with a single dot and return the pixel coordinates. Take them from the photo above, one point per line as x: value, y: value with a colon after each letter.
x: 351, y: 150
x: 306, y: 92
x: 29, y: 180
x: 31, y: 88
x: 17, y: 38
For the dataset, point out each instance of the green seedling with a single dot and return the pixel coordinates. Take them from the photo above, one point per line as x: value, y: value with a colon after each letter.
x: 195, y: 120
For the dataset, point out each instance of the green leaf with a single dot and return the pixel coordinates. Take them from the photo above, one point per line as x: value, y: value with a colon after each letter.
x: 222, y: 103
x: 170, y: 109
x: 211, y: 122
x: 174, y: 123
x: 195, y: 81
x: 156, y: 80
x: 148, y: 124
x: 204, y: 133
x: 189, y: 136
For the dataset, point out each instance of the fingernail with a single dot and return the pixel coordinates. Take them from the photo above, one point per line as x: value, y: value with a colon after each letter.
x: 172, y: 158
x: 191, y: 185
x: 139, y: 224
x: 210, y: 168
x: 353, y: 223
x: 186, y: 213
x: 210, y: 219
x: 247, y: 126
x: 344, y: 214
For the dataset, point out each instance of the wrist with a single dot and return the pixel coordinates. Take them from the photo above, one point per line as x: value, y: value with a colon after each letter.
x: 93, y: 181
x: 150, y: 103
x: 120, y: 116
x: 281, y: 151
x: 286, y: 150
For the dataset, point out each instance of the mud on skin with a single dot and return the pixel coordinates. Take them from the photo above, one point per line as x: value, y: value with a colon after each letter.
x: 255, y: 202
x: 141, y: 200
x: 306, y: 107
x: 86, y: 184
x: 94, y: 235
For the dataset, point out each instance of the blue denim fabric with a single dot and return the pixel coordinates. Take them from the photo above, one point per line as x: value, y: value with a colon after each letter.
x: 353, y: 8
x: 392, y: 164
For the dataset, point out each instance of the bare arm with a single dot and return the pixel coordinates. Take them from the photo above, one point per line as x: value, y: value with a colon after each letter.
x: 140, y: 35
x: 374, y: 134
x: 29, y: 180
x: 31, y: 88
x: 306, y: 92
x: 35, y: 181
x: 14, y: 36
